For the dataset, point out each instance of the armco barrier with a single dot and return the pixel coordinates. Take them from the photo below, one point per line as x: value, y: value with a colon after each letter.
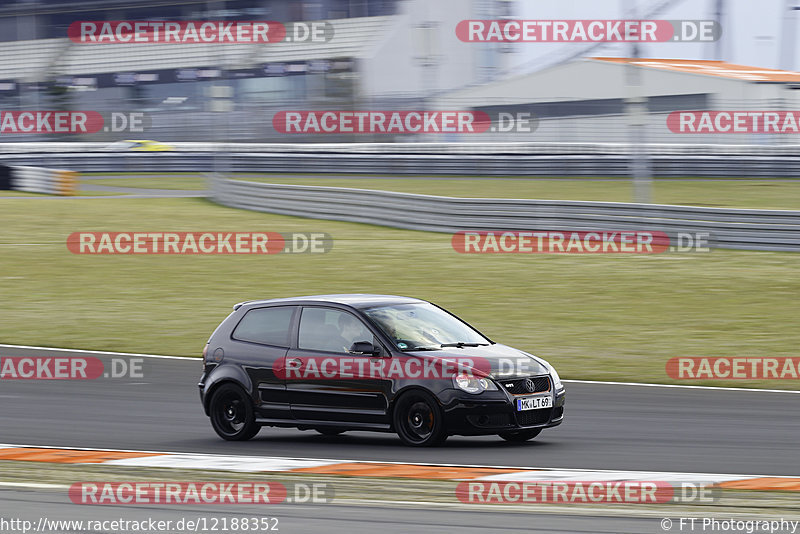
x: 726, y: 164
x: 438, y: 149
x: 774, y: 230
x: 38, y: 180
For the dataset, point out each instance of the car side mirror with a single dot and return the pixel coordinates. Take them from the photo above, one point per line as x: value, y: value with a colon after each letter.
x: 364, y: 348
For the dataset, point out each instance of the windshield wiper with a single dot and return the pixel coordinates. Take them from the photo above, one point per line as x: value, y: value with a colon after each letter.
x: 462, y: 344
x: 410, y: 349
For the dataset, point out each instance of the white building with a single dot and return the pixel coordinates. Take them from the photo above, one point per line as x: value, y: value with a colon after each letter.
x: 587, y: 100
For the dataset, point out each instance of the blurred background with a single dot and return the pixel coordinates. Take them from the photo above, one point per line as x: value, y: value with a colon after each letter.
x: 401, y: 54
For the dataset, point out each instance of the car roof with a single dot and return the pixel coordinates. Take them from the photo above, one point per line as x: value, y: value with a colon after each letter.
x: 356, y: 300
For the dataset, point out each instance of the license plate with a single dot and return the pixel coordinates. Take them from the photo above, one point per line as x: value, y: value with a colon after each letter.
x: 534, y: 403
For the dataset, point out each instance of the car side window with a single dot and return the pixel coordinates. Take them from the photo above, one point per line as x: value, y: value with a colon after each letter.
x: 269, y: 326
x: 330, y: 330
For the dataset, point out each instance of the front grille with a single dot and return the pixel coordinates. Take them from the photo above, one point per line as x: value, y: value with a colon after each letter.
x: 534, y: 417
x: 517, y: 385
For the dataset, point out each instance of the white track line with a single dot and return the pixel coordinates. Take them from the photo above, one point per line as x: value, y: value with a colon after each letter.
x: 680, y: 386
x: 32, y: 485
x: 55, y: 349
x: 600, y: 382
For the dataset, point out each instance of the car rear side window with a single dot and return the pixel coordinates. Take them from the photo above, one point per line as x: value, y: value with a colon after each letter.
x: 269, y: 326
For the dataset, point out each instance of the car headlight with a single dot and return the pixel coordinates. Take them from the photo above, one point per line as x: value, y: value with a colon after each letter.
x: 556, y: 379
x: 473, y: 384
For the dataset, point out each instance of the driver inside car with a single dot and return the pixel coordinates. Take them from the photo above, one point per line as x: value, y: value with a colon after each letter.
x: 350, y: 330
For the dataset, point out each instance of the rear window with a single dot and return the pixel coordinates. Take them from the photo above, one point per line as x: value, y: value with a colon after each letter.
x: 269, y: 326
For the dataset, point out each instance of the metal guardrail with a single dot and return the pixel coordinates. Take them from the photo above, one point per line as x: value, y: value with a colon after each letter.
x: 488, y: 159
x: 666, y: 165
x: 773, y: 230
x: 444, y: 148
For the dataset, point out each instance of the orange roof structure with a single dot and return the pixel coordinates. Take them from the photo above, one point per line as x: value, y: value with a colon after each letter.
x: 712, y: 68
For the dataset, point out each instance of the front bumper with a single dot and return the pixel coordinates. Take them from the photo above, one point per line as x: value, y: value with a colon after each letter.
x: 474, y: 416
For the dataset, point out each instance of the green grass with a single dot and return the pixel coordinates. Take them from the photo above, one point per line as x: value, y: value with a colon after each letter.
x: 739, y: 193
x: 602, y: 317
x: 714, y: 193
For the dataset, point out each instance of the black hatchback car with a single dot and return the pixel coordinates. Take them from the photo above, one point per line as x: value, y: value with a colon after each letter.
x: 334, y: 363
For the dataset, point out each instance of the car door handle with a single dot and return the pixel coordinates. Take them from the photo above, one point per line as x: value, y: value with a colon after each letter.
x: 295, y: 363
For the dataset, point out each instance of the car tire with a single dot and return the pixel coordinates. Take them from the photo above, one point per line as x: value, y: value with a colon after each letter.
x: 231, y: 413
x: 329, y: 431
x: 419, y: 420
x: 520, y: 435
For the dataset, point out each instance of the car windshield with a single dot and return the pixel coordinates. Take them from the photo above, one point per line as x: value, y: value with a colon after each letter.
x: 422, y: 325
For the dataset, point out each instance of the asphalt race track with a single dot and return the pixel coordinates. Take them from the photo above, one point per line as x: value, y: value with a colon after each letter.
x: 606, y: 427
x: 331, y: 519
